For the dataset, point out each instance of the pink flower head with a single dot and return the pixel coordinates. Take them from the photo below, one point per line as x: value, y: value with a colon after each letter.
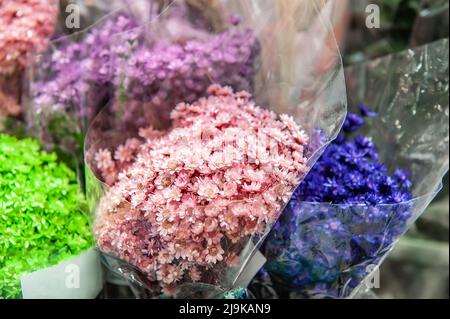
x: 213, y: 238
x: 229, y: 221
x: 207, y: 189
x: 163, y: 181
x: 194, y: 252
x: 229, y: 189
x: 234, y: 174
x: 232, y: 260
x: 252, y: 187
x: 210, y: 224
x: 165, y: 256
x: 167, y: 227
x: 124, y: 154
x: 25, y: 27
x: 240, y: 209
x: 169, y: 290
x: 181, y: 249
x: 213, y: 254
x: 104, y: 160
x: 213, y: 210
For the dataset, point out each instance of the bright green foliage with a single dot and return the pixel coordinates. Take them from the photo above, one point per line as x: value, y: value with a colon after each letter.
x: 41, y: 212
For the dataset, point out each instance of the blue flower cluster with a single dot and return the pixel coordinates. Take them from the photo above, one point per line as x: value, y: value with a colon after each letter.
x: 342, y: 220
x: 349, y: 172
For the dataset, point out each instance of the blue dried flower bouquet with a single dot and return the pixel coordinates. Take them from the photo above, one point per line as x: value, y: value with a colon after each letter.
x: 370, y: 184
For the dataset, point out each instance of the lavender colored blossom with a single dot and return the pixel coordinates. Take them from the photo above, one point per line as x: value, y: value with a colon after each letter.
x: 344, y: 218
x: 117, y: 59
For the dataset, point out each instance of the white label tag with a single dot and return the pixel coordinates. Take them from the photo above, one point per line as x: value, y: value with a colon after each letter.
x: 77, y: 278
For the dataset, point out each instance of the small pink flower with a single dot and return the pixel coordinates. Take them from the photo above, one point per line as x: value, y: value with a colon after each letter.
x: 219, y: 90
x: 193, y: 162
x: 218, y: 179
x: 289, y: 122
x: 195, y: 274
x: 182, y: 232
x: 253, y: 175
x: 229, y: 189
x: 169, y: 274
x: 244, y: 95
x: 165, y: 214
x: 182, y: 180
x: 150, y: 133
x: 216, y: 160
x: 110, y: 175
x: 158, y: 198
x: 252, y: 187
x: 213, y: 254
x: 222, y: 118
x: 210, y: 224
x: 250, y: 226
x: 197, y: 228
x: 231, y: 154
x: 187, y: 207
x: 194, y: 252
x: 163, y: 181
x: 233, y: 174
x: 173, y: 165
x: 172, y: 193
x: 103, y: 159
x: 213, y: 238
x: 165, y: 257
x: 208, y: 131
x: 232, y: 260
x: 149, y: 265
x: 234, y: 236
x: 240, y: 209
x: 229, y: 220
x: 258, y: 208
x: 181, y: 249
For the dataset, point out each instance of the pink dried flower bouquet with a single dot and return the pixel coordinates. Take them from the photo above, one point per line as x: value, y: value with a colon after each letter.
x: 183, y: 204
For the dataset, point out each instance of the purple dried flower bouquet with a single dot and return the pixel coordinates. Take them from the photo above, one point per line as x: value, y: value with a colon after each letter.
x: 119, y: 58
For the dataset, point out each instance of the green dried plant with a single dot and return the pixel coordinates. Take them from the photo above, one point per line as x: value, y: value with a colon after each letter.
x: 42, y: 219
